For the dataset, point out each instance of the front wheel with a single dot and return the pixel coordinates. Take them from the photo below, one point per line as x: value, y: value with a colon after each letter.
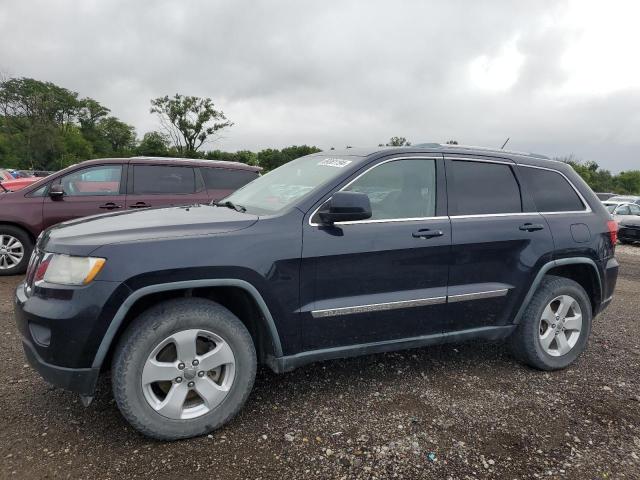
x: 183, y: 368
x: 555, y: 327
x: 15, y: 249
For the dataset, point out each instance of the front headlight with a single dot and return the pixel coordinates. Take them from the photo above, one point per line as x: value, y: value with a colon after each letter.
x: 68, y: 270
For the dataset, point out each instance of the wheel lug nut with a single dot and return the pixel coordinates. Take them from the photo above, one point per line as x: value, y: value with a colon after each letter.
x: 201, y: 373
x: 195, y: 363
x: 179, y: 380
x: 191, y: 384
x: 181, y: 366
x: 553, y: 326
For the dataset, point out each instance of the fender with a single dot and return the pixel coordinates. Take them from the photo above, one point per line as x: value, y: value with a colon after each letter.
x: 164, y: 287
x: 542, y: 272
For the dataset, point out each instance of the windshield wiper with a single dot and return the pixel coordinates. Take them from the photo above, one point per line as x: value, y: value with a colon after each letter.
x: 230, y: 204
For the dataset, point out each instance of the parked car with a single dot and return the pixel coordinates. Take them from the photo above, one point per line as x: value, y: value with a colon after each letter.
x: 605, y: 196
x: 331, y: 255
x: 104, y: 185
x: 628, y: 217
x: 625, y: 199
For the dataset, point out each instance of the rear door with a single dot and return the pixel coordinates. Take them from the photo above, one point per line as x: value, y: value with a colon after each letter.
x: 221, y: 182
x: 87, y: 191
x: 498, y: 242
x: 384, y: 278
x: 164, y: 185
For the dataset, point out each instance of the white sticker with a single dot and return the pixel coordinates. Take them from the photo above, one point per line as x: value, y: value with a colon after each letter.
x: 334, y: 162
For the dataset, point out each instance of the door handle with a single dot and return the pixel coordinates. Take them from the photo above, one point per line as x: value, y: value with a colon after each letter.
x: 139, y: 205
x: 110, y: 206
x: 426, y: 233
x: 531, y: 227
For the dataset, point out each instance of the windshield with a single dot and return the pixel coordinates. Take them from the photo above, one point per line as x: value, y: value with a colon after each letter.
x: 611, y: 207
x: 287, y: 184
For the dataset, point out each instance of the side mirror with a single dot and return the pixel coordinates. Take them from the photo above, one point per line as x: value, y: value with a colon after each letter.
x: 56, y: 191
x: 345, y: 207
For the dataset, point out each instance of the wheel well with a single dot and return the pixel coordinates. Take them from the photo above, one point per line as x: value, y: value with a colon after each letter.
x: 586, y: 276
x: 17, y: 225
x: 235, y: 299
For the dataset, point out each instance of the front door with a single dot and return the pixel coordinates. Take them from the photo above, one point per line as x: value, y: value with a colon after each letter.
x: 383, y: 278
x: 499, y: 242
x: 87, y: 191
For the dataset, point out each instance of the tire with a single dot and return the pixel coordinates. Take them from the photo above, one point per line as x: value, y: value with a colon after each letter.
x: 16, y: 241
x: 625, y: 242
x: 177, y: 319
x: 527, y: 342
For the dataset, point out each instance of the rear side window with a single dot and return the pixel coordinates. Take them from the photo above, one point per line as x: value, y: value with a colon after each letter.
x: 163, y: 179
x: 550, y: 191
x: 482, y: 188
x: 226, y: 178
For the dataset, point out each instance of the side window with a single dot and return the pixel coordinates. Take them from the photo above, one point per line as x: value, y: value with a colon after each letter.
x: 623, y: 210
x: 226, y: 178
x: 400, y: 189
x: 477, y: 188
x: 100, y: 180
x: 550, y: 191
x: 634, y: 209
x: 163, y: 179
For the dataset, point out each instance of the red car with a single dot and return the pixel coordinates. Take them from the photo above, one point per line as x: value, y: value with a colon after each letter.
x: 9, y: 182
x: 105, y: 185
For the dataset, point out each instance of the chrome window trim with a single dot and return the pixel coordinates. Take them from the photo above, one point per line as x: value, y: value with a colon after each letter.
x: 382, y: 220
x: 582, y: 199
x: 377, y: 307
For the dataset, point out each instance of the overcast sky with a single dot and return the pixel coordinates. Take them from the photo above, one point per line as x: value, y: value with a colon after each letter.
x: 557, y: 77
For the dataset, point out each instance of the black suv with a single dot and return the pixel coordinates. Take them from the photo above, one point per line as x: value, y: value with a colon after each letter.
x: 331, y: 255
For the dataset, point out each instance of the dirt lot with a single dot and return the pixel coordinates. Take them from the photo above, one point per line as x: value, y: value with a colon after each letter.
x: 466, y: 411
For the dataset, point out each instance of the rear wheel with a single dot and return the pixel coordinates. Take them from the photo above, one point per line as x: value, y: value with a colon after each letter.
x: 555, y: 327
x: 15, y: 249
x: 183, y: 368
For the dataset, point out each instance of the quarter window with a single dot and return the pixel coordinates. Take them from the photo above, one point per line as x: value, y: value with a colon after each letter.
x: 400, y: 189
x: 161, y: 179
x: 482, y: 188
x: 100, y: 180
x: 550, y: 191
x: 226, y: 178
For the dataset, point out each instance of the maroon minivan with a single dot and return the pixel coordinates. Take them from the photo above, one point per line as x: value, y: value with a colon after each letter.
x: 103, y: 185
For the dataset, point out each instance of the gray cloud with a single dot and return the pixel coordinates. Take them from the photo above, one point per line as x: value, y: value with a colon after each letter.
x: 330, y: 73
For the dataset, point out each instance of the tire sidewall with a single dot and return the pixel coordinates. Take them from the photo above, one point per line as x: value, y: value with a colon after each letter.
x: 548, y: 293
x: 27, y: 244
x: 154, y: 327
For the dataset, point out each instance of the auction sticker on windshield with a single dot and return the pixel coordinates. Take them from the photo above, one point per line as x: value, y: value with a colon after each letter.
x: 334, y: 162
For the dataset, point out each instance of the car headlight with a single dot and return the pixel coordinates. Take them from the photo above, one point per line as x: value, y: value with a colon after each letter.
x: 68, y: 270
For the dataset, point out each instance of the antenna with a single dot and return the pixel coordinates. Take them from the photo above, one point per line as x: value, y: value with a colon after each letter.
x: 505, y: 142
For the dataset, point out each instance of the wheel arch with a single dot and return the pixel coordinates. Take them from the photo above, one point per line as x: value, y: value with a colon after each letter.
x: 21, y: 227
x: 239, y: 296
x: 582, y: 270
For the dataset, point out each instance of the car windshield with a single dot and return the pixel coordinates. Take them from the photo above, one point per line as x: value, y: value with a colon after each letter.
x: 280, y: 188
x: 610, y: 207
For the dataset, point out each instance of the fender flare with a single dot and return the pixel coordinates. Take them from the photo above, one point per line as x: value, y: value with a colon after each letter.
x: 543, y: 271
x: 118, y: 318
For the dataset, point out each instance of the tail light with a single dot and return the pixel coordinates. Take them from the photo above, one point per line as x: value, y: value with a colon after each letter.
x: 612, y: 225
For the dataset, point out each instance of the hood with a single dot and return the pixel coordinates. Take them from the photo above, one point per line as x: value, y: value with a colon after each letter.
x: 82, y: 236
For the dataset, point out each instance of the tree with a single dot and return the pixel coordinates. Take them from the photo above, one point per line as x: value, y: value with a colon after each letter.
x: 153, y: 144
x: 120, y: 136
x: 452, y: 142
x: 189, y: 121
x: 398, y: 142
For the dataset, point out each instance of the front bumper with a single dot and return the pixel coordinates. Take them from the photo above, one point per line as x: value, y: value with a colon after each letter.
x: 62, y: 328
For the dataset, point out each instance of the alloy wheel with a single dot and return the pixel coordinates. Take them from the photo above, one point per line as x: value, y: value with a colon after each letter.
x: 11, y: 252
x: 560, y: 325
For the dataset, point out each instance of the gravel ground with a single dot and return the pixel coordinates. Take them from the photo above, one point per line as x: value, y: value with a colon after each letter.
x: 465, y: 411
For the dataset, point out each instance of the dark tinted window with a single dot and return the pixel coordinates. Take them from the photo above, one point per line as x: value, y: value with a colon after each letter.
x: 156, y: 179
x: 226, y: 178
x: 477, y: 188
x: 400, y: 189
x: 550, y: 191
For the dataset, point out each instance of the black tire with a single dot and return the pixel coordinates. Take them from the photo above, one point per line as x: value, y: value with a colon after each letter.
x: 625, y: 242
x: 525, y: 343
x: 147, y: 331
x: 27, y: 244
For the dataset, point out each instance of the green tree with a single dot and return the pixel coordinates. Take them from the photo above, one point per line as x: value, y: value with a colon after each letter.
x: 120, y: 136
x: 153, y: 144
x: 398, y: 142
x: 189, y: 121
